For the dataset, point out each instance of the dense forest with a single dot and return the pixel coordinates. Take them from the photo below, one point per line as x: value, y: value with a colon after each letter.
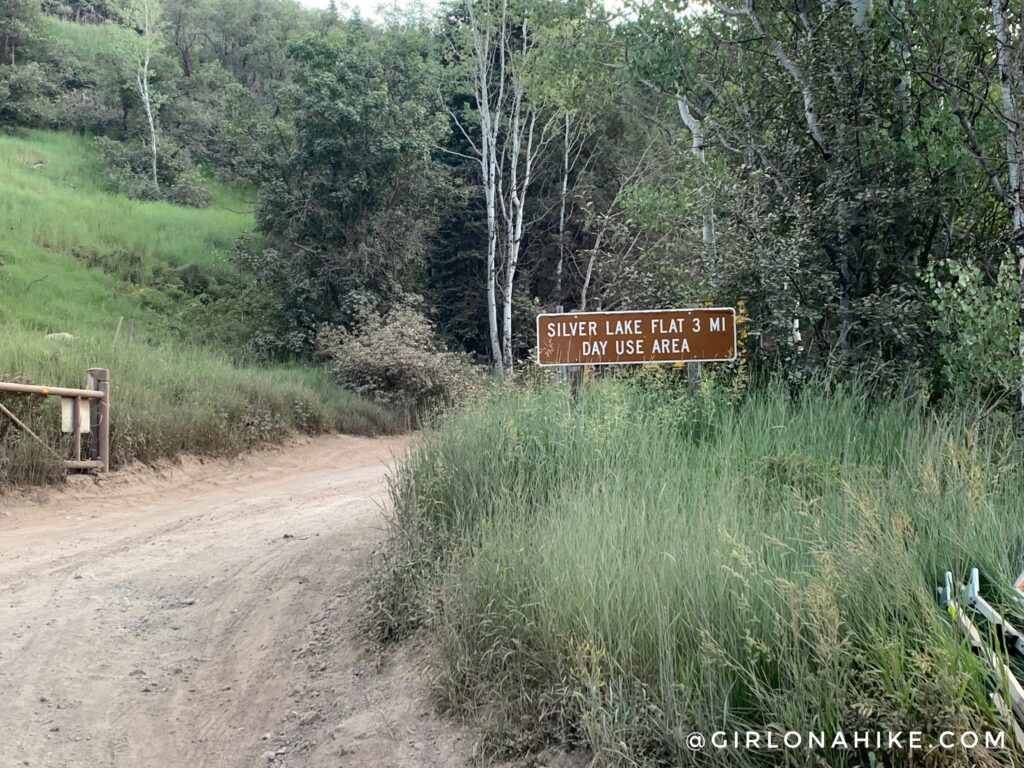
x: 846, y: 171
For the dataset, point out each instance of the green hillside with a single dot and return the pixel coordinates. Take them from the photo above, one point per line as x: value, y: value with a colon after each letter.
x: 56, y: 216
x: 75, y: 258
x: 86, y: 44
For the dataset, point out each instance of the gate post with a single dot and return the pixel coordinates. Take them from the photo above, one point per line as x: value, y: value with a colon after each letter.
x: 99, y: 378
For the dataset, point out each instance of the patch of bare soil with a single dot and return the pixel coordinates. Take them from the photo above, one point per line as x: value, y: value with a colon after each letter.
x: 206, y: 616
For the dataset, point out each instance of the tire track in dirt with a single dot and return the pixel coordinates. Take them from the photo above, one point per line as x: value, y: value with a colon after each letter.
x: 207, y: 617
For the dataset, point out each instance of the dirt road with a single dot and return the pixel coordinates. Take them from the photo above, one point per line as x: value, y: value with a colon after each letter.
x: 206, y: 619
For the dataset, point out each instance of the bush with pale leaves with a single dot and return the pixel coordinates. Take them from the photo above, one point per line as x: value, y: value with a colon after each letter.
x: 397, y: 359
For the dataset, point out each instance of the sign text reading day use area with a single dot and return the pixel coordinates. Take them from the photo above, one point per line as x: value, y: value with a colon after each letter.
x: 637, y: 336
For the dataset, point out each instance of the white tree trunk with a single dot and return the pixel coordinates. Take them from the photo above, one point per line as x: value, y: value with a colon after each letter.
x: 488, y: 164
x: 696, y: 128
x: 142, y: 83
x: 510, y: 209
x: 522, y: 146
x: 810, y: 108
x: 507, y: 150
x: 492, y: 280
x: 590, y: 271
x: 517, y: 196
x: 560, y: 266
x: 1010, y: 93
x: 859, y: 10
x: 490, y: 106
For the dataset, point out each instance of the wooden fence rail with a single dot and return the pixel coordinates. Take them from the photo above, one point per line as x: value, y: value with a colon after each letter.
x: 98, y: 383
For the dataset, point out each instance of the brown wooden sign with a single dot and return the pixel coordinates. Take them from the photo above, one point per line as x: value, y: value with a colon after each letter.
x: 638, y: 336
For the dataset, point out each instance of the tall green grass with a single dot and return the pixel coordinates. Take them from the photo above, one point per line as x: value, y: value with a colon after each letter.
x: 640, y: 567
x: 88, y: 44
x: 53, y: 195
x: 167, y: 400
x: 170, y: 395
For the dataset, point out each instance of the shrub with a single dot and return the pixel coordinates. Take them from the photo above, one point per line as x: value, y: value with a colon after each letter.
x: 83, y: 109
x: 193, y: 278
x: 25, y: 92
x: 130, y: 172
x: 397, y: 359
x: 976, y: 321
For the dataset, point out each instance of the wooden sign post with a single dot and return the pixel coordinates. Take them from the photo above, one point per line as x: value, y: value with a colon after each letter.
x: 637, y: 336
x: 99, y: 379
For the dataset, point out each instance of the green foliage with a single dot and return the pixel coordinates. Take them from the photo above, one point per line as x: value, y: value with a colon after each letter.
x: 74, y: 258
x: 203, y: 54
x: 976, y: 316
x: 351, y: 197
x: 129, y: 169
x: 53, y: 195
x: 88, y: 75
x: 171, y: 399
x: 363, y: 131
x: 87, y: 46
x: 360, y: 163
x: 641, y: 566
x: 58, y: 217
x: 644, y: 564
x: 367, y: 187
x: 831, y: 229
x: 20, y: 22
x: 232, y: 60
x: 248, y: 39
x: 84, y: 12
x: 24, y: 92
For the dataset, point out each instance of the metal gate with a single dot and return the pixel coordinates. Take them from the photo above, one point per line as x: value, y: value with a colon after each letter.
x: 82, y: 410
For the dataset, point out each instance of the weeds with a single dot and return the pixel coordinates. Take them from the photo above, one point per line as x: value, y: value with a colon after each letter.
x: 641, y: 567
x: 169, y: 400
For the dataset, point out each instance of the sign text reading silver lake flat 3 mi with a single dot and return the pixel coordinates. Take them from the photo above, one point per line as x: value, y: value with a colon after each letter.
x: 637, y: 336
